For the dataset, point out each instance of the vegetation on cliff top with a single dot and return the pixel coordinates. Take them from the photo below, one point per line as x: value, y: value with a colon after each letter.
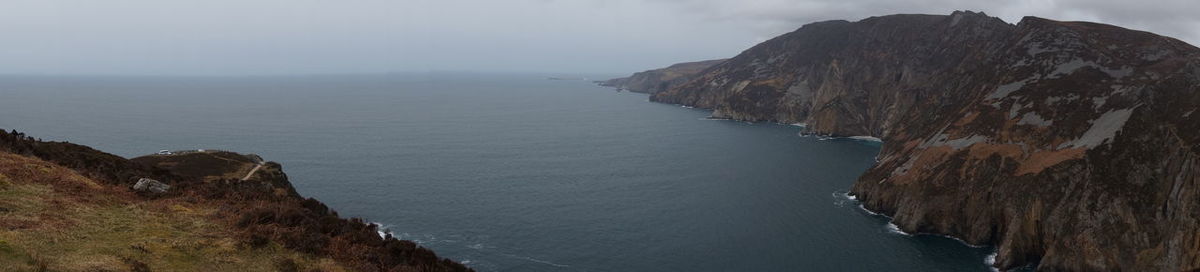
x: 66, y: 207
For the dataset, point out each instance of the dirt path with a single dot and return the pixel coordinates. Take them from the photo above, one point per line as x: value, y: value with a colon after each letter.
x: 256, y: 167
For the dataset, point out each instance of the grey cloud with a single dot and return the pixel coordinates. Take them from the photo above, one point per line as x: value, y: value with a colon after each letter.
x: 370, y: 36
x: 1176, y: 18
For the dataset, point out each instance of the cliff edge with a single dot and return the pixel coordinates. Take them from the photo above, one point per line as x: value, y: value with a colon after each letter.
x: 656, y: 80
x: 1072, y: 145
x: 67, y: 207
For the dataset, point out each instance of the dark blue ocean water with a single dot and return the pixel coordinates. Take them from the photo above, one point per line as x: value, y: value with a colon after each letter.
x: 511, y: 172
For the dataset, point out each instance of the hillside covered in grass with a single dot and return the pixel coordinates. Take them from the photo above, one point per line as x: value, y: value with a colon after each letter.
x: 66, y: 207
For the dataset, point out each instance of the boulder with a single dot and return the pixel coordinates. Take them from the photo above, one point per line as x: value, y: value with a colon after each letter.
x: 151, y: 186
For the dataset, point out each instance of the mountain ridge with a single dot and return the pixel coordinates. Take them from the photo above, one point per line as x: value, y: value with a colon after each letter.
x: 1066, y: 144
x: 651, y: 81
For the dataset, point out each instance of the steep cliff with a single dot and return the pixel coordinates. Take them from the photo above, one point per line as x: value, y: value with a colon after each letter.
x: 652, y: 81
x: 1072, y: 145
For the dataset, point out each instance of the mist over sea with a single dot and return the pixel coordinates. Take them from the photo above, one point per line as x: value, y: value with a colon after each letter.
x: 513, y: 172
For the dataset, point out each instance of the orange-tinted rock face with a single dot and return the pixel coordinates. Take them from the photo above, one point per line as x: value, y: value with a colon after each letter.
x: 1069, y: 144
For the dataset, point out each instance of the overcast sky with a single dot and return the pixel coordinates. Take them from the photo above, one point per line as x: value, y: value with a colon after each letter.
x: 238, y: 37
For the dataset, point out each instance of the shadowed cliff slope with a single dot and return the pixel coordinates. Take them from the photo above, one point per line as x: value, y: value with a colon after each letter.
x: 1068, y: 144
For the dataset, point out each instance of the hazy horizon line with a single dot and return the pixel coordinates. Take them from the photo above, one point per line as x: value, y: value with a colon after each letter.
x: 320, y: 74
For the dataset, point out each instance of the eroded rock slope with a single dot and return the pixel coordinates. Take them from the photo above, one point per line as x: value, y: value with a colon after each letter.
x: 1072, y: 145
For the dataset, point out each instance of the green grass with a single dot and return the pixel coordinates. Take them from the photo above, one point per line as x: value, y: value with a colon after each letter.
x: 106, y: 232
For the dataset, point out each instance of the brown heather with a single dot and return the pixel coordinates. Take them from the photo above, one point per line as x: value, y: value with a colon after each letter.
x: 66, y: 207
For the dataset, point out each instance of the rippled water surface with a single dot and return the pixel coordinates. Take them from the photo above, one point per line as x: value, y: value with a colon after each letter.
x: 513, y: 172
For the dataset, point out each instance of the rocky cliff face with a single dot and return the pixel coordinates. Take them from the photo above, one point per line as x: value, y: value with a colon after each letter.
x: 653, y: 81
x: 1072, y: 145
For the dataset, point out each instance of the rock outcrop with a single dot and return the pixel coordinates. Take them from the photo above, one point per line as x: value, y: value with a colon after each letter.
x: 146, y: 185
x: 244, y: 213
x: 653, y: 81
x: 227, y: 167
x: 1070, y: 145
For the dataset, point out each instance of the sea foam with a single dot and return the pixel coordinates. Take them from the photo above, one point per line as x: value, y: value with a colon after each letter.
x: 841, y: 198
x: 381, y: 229
x: 990, y: 261
x: 893, y: 228
x: 866, y: 138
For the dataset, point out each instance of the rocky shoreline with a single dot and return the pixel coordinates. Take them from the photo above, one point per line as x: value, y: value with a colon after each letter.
x: 1068, y: 145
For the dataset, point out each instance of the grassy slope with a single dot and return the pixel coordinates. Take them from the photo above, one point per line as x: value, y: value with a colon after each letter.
x: 206, y: 166
x: 69, y: 207
x: 53, y: 218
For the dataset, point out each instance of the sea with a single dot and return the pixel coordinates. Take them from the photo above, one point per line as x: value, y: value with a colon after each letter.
x: 511, y: 171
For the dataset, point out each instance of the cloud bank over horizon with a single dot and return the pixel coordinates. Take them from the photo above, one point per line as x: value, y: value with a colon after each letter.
x: 252, y: 37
